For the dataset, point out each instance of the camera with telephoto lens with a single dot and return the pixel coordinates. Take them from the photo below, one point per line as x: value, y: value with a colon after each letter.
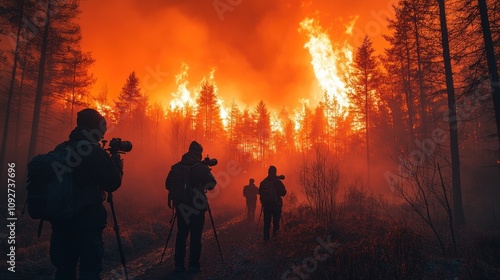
x: 117, y: 145
x: 281, y: 177
x: 209, y: 161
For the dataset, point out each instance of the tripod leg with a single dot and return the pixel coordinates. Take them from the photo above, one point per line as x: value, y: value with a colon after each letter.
x: 261, y: 209
x: 215, y: 232
x: 117, y: 231
x: 168, y: 238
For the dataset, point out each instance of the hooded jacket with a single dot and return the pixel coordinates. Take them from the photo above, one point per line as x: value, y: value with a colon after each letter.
x: 95, y: 171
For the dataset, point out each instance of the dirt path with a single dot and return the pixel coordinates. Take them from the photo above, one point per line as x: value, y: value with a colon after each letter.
x: 245, y: 255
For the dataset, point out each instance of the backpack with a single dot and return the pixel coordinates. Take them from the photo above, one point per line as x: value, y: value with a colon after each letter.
x: 52, y: 194
x: 268, y: 192
x: 178, y: 185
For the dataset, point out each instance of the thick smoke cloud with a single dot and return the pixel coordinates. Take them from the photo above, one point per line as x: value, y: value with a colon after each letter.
x: 255, y: 46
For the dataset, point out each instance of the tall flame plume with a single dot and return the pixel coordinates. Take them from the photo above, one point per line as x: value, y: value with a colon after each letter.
x: 332, y: 64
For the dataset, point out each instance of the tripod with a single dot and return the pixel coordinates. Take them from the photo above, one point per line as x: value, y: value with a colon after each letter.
x: 115, y: 227
x: 261, y: 209
x: 172, y: 221
x: 215, y: 232
x: 172, y: 226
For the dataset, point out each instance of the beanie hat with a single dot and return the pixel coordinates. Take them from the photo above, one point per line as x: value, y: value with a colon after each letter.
x: 195, y: 147
x: 91, y: 119
x: 272, y: 170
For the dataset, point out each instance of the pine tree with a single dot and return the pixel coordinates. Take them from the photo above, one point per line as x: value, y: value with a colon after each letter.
x: 55, y: 34
x: 128, y: 99
x: 246, y: 129
x: 78, y: 79
x: 235, y: 135
x: 263, y: 131
x: 304, y: 132
x: 367, y: 85
x: 208, y: 121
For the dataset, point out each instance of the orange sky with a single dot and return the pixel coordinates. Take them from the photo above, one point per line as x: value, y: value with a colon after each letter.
x: 254, y: 45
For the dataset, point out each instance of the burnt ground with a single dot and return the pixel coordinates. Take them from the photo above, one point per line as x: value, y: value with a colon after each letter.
x: 245, y: 254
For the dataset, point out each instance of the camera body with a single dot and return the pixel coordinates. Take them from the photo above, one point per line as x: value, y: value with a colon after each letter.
x: 209, y: 161
x: 117, y: 145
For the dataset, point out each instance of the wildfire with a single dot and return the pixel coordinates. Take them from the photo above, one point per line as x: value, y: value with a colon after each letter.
x: 182, y: 97
x: 331, y: 65
x: 299, y: 114
x: 224, y: 113
x: 106, y: 111
x: 276, y: 124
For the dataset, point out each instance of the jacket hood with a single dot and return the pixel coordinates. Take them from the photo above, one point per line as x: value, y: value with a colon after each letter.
x: 83, y: 133
x: 191, y: 158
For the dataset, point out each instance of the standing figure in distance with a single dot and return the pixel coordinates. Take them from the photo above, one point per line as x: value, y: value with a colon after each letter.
x: 250, y: 192
x: 271, y: 191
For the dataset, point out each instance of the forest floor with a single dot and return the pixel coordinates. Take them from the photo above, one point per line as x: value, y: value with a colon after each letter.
x: 245, y: 256
x: 353, y: 247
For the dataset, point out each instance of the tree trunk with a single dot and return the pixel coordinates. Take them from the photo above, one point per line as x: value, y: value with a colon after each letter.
x: 39, y: 87
x: 407, y: 91
x: 418, y: 50
x: 11, y: 92
x: 20, y: 103
x: 73, y: 94
x: 367, y: 135
x: 455, y: 157
x: 492, y: 64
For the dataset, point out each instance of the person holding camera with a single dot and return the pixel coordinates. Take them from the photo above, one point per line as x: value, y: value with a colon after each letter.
x: 271, y: 191
x: 93, y: 172
x: 250, y: 192
x: 190, y: 210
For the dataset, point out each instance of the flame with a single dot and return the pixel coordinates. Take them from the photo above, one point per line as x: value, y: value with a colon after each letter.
x: 182, y: 97
x: 276, y: 124
x: 223, y: 112
x: 299, y: 114
x: 106, y: 111
x: 329, y: 63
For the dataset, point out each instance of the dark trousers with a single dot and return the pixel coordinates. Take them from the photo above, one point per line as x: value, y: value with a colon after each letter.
x: 271, y: 211
x: 251, y: 209
x: 68, y: 244
x: 194, y: 227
